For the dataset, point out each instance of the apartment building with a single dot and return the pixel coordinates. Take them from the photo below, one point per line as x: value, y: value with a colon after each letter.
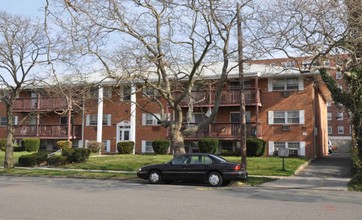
x: 285, y: 108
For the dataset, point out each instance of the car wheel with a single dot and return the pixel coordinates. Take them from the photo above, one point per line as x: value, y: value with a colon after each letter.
x: 214, y: 179
x: 154, y: 177
x: 226, y: 183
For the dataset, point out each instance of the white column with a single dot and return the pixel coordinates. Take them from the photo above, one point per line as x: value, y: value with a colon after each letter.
x: 100, y: 114
x: 133, y: 116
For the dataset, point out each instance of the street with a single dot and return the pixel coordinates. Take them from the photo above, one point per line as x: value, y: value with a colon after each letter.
x: 66, y: 198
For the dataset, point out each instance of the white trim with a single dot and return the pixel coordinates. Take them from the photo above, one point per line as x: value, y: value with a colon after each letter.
x: 301, y: 117
x: 271, y: 147
x: 270, y: 85
x: 300, y: 84
x: 270, y: 117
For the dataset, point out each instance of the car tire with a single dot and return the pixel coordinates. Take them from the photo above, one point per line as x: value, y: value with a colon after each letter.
x: 154, y: 177
x: 214, y: 179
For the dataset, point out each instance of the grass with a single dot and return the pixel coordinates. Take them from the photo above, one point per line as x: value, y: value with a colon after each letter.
x: 264, y: 166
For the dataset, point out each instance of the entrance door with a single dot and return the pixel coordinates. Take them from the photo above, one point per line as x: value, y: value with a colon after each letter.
x: 123, y: 131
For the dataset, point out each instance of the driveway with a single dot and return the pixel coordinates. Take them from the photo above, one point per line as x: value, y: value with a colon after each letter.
x: 329, y: 173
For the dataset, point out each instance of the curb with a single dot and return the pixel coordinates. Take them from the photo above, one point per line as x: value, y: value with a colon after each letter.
x: 301, y: 167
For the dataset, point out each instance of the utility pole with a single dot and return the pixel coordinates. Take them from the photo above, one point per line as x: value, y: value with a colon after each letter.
x: 241, y: 86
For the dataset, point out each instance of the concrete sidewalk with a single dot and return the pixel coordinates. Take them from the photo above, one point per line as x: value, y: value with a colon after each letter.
x: 329, y: 173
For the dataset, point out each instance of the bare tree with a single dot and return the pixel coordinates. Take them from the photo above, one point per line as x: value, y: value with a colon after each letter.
x: 22, y: 45
x: 320, y: 29
x: 166, y: 45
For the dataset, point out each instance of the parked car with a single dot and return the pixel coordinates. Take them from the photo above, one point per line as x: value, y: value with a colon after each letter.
x: 209, y: 168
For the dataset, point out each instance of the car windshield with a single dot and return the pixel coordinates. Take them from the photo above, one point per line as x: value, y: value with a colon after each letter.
x: 179, y: 160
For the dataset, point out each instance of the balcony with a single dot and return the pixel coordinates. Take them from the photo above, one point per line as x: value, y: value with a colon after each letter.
x: 48, y: 131
x: 228, y: 98
x: 227, y: 131
x: 36, y: 104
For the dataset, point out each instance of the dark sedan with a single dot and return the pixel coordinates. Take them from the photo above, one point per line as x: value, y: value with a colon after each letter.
x: 210, y: 168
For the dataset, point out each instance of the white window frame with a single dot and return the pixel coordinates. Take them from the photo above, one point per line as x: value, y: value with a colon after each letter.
x: 340, y: 129
x: 149, y: 119
x: 91, y: 120
x: 107, y: 145
x: 288, y: 145
x: 330, y: 130
x: 4, y: 121
x: 340, y: 116
x: 107, y: 92
x: 147, y: 147
x: 329, y: 116
x: 125, y: 93
x: 329, y: 104
x: 300, y: 114
x: 284, y: 84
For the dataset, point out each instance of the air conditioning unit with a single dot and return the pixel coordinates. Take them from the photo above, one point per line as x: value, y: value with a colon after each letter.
x: 285, y: 93
x: 293, y: 152
x: 286, y: 128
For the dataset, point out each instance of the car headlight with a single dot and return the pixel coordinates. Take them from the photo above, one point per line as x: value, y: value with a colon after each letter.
x: 139, y: 170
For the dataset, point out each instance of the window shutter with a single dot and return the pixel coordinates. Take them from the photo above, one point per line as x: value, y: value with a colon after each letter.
x: 87, y: 119
x: 143, y: 146
x: 108, y: 145
x: 270, y: 85
x: 109, y: 116
x: 270, y: 117
x: 302, y: 148
x: 271, y: 148
x: 143, y: 118
x: 301, y: 117
x: 15, y: 120
x: 301, y: 84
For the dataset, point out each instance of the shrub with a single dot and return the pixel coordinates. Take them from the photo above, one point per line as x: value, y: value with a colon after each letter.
x: 76, y: 155
x: 18, y: 148
x: 64, y: 145
x: 160, y: 146
x: 57, y: 160
x: 95, y: 147
x: 208, y: 145
x: 2, y: 144
x: 227, y: 153
x: 125, y: 147
x: 34, y: 159
x: 31, y: 144
x: 255, y: 147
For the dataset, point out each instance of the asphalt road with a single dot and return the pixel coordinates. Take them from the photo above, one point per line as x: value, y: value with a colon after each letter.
x: 57, y: 198
x: 318, y: 192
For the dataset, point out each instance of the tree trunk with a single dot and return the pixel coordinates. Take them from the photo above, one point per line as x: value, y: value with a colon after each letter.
x: 9, y: 150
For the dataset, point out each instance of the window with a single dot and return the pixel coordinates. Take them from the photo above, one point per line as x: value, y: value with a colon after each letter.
x: 107, y: 145
x: 126, y: 93
x: 151, y: 92
x: 326, y: 63
x: 340, y: 130
x: 149, y: 119
x: 147, y: 147
x: 329, y: 116
x: 107, y: 92
x: 286, y: 117
x: 339, y: 75
x: 64, y: 120
x: 4, y: 121
x: 285, y: 84
x: 92, y: 120
x: 340, y: 116
x: 288, y: 64
x: 292, y: 145
x: 197, y: 117
x: 235, y: 117
x: 330, y: 130
x: 329, y: 104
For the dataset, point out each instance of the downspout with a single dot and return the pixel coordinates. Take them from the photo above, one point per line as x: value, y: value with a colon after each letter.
x: 133, y: 117
x: 314, y: 120
x: 83, y: 121
x: 100, y: 114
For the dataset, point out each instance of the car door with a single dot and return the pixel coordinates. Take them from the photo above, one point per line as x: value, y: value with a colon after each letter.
x: 175, y: 169
x: 198, y: 167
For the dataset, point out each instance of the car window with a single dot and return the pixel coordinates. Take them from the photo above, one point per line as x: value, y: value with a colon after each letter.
x: 206, y: 160
x: 195, y: 160
x: 179, y: 160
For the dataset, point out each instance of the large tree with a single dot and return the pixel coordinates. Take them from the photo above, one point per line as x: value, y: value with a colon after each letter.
x: 320, y: 29
x: 22, y: 47
x: 166, y: 45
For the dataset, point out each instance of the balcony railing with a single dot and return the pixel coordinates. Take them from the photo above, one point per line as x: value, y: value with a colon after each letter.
x: 230, y: 97
x: 227, y: 130
x: 48, y: 131
x: 38, y: 104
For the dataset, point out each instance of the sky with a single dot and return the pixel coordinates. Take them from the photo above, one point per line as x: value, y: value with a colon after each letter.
x: 23, y: 7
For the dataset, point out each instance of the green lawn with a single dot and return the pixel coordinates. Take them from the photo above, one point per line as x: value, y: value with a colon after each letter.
x: 16, y: 157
